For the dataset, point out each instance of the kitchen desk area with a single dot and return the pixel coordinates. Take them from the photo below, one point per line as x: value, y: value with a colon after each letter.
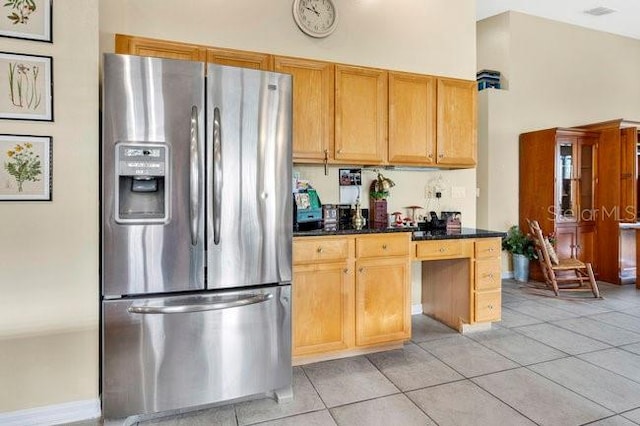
x: 352, y: 288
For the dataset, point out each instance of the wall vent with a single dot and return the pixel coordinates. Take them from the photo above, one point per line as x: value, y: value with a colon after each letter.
x: 599, y: 11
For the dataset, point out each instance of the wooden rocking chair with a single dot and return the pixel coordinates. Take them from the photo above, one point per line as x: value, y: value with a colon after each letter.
x: 562, y: 274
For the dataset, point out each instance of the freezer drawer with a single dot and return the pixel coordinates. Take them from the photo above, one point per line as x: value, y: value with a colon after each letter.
x: 166, y: 353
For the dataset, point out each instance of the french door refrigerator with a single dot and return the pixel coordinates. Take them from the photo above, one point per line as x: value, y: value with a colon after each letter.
x: 196, y: 234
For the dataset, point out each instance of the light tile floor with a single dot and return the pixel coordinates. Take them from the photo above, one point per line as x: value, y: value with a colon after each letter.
x: 550, y: 361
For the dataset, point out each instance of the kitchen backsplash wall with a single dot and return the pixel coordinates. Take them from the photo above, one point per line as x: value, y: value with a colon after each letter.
x: 458, y: 194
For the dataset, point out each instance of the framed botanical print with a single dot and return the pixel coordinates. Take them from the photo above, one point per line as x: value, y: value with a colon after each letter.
x: 26, y: 19
x: 26, y: 88
x: 25, y: 168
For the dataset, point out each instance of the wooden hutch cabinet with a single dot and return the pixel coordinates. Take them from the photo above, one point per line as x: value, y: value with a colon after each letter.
x: 617, y: 198
x: 558, y: 174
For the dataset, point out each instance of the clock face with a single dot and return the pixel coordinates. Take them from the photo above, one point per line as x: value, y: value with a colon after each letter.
x: 316, y: 18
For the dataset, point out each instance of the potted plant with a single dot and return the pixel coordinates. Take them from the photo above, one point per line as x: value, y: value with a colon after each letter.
x: 522, y: 248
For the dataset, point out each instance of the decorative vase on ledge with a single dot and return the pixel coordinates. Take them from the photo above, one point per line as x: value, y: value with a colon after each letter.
x: 520, y: 267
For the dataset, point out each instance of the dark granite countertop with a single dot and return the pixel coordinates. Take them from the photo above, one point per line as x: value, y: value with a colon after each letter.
x: 417, y: 235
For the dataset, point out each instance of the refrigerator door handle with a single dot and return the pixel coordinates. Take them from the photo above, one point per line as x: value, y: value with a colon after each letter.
x: 194, y: 178
x: 199, y: 307
x: 217, y: 175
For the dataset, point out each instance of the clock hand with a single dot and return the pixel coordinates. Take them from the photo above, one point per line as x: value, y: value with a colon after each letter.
x: 313, y: 10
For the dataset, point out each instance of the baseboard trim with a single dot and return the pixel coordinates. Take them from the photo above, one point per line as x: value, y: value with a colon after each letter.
x: 416, y: 309
x: 506, y: 275
x: 53, y: 414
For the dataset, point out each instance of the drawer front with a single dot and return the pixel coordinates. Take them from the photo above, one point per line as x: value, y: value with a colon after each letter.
x: 383, y: 245
x: 488, y: 247
x: 488, y: 306
x: 488, y: 275
x: 309, y: 250
x: 438, y: 249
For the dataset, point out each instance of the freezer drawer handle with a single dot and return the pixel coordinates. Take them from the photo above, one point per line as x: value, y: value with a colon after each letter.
x: 194, y: 182
x: 199, y: 307
x: 217, y: 175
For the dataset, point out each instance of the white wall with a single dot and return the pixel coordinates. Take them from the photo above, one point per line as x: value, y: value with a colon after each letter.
x: 559, y: 75
x: 49, y: 250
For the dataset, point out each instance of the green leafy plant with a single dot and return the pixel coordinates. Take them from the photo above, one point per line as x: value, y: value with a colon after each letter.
x: 23, y: 164
x: 517, y: 242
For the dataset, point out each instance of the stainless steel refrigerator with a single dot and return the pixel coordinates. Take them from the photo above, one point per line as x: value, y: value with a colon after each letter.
x: 196, y: 213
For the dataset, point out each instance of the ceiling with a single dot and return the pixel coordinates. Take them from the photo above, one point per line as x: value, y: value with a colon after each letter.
x: 624, y: 21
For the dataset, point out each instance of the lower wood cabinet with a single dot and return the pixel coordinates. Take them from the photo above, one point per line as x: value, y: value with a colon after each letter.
x: 322, y: 308
x: 383, y: 300
x: 350, y: 293
x: 488, y: 280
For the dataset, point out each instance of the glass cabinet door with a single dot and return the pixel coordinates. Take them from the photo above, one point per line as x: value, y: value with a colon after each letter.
x: 565, y: 181
x: 585, y: 180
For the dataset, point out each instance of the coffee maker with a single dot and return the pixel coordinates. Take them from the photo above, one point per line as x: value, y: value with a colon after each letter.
x: 307, y: 210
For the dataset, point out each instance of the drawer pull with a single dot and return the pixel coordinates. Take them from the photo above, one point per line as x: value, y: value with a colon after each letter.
x: 384, y: 247
x: 319, y: 249
x: 442, y: 249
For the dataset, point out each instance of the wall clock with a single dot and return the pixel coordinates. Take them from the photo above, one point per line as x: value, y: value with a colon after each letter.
x: 317, y: 18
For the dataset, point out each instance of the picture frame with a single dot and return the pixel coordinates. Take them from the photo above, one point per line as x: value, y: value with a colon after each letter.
x: 26, y: 87
x: 27, y: 19
x: 26, y: 167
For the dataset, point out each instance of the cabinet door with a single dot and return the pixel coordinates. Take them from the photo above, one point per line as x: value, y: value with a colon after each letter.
x: 456, y: 122
x: 313, y: 94
x: 585, y: 244
x: 412, y: 119
x: 566, y: 241
x: 566, y: 183
x: 240, y: 58
x: 361, y: 115
x: 322, y: 318
x: 586, y: 177
x: 383, y: 312
x: 158, y: 48
x: 628, y: 174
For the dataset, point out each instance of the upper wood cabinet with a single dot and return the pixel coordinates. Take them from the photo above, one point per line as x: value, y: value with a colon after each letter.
x: 240, y: 58
x: 412, y: 119
x: 360, y: 115
x: 456, y: 117
x: 346, y: 114
x: 141, y: 46
x: 313, y: 95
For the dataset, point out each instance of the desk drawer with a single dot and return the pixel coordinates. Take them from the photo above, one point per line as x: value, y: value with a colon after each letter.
x: 488, y: 306
x: 488, y: 274
x: 438, y: 249
x: 383, y: 245
x: 488, y: 247
x: 309, y: 249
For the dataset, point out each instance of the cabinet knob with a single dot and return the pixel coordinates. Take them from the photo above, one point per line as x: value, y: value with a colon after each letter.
x: 490, y: 275
x: 346, y: 270
x: 441, y: 156
x: 384, y: 247
x: 319, y: 249
x: 490, y: 307
x: 442, y: 250
x: 491, y: 249
x: 361, y: 270
x: 339, y: 151
x: 430, y: 156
